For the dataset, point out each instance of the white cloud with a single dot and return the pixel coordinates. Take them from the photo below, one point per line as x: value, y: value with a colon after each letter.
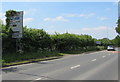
x: 108, y: 9
x: 88, y: 30
x: 81, y: 15
x: 95, y: 32
x: 48, y: 26
x: 58, y: 18
x: 102, y: 18
x: 51, y: 26
x: 27, y: 20
x: 47, y: 19
x: 2, y: 17
x: 116, y: 3
x: 30, y: 12
x: 3, y: 20
x: 95, y: 29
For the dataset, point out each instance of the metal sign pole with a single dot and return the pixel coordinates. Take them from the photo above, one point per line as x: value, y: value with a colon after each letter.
x: 18, y: 45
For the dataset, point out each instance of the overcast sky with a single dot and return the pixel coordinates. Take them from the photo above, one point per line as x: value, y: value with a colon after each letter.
x: 97, y: 19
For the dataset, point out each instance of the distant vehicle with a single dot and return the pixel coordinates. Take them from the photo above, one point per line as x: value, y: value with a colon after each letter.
x: 111, y: 48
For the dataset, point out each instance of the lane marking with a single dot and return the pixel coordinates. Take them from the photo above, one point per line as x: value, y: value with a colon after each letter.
x: 109, y: 54
x: 75, y: 66
x: 44, y: 61
x: 94, y: 60
x: 103, y: 56
x: 82, y: 54
x: 38, y: 79
x: 90, y: 54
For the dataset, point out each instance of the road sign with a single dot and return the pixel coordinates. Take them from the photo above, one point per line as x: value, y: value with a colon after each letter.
x: 98, y: 42
x: 16, y: 24
x: 16, y: 35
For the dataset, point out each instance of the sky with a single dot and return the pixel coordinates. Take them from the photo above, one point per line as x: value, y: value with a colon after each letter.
x: 97, y: 19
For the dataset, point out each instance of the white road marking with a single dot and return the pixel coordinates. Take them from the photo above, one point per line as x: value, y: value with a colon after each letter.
x: 44, y: 61
x: 38, y: 79
x: 94, y: 60
x: 109, y: 54
x: 75, y: 66
x: 82, y: 54
x: 88, y: 54
x: 103, y: 56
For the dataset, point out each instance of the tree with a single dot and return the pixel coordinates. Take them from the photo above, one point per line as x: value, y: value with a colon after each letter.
x: 105, y: 42
x: 65, y: 42
x: 116, y: 41
x: 9, y: 13
x: 118, y: 26
x: 8, y: 44
x: 36, y: 39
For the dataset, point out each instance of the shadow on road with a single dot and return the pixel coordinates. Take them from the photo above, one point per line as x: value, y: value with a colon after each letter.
x: 12, y: 69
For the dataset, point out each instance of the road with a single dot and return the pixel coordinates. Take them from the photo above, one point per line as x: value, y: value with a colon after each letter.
x: 101, y: 65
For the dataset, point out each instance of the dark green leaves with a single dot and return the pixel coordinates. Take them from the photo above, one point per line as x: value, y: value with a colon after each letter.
x: 118, y: 26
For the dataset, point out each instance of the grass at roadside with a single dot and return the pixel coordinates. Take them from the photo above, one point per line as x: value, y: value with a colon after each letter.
x: 16, y: 59
x: 97, y: 48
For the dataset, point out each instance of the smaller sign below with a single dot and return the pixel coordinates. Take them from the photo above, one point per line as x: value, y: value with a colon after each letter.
x: 98, y: 42
x: 17, y: 35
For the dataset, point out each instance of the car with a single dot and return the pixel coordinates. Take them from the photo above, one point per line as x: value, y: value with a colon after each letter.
x: 111, y: 48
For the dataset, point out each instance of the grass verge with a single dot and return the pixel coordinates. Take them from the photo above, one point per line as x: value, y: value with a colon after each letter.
x: 17, y: 59
x: 29, y: 61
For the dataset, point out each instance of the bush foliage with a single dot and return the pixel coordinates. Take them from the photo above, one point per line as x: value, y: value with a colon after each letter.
x: 41, y: 44
x: 39, y: 40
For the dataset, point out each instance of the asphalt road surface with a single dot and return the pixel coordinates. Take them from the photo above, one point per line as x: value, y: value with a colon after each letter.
x: 101, y: 65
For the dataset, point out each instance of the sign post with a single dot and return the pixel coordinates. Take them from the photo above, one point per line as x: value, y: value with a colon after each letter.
x: 98, y: 42
x: 16, y: 24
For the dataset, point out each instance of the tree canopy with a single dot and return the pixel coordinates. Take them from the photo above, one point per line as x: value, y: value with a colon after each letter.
x: 118, y: 26
x: 39, y: 40
x: 8, y: 14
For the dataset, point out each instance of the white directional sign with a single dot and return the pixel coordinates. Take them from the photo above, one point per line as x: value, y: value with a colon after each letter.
x: 98, y: 42
x: 16, y: 24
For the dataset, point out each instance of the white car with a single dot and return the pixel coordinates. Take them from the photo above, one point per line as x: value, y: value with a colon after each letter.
x: 111, y: 48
